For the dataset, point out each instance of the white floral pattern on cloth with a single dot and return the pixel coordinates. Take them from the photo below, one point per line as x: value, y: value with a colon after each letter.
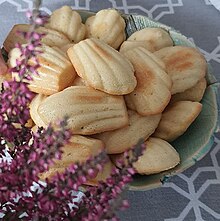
x: 195, y: 193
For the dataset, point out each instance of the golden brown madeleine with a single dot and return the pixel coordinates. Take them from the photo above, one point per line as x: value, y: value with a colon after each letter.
x: 68, y: 22
x: 120, y: 140
x: 89, y: 111
x: 176, y: 118
x: 158, y: 156
x: 154, y: 38
x: 108, y: 26
x: 79, y: 150
x: 55, y: 72
x: 194, y: 93
x: 51, y: 38
x: 102, y: 67
x: 152, y: 93
x: 186, y: 66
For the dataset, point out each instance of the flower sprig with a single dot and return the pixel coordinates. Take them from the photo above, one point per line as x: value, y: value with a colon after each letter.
x: 103, y: 201
x: 31, y: 154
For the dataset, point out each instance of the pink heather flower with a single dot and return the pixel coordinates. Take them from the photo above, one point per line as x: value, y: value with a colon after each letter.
x: 101, y: 202
x: 53, y: 199
x: 14, y: 102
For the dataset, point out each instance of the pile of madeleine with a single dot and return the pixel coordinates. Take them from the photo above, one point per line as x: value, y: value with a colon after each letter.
x: 114, y: 90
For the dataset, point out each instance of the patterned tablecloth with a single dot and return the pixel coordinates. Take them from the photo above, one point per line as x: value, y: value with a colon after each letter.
x: 194, y: 194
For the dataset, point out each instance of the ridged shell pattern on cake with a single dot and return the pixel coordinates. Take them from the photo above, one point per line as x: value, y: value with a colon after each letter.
x: 108, y: 26
x: 102, y: 67
x: 68, y: 22
x: 89, y: 111
x: 54, y: 74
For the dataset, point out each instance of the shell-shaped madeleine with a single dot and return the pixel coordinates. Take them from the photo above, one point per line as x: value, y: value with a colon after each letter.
x: 79, y: 150
x: 51, y: 38
x: 68, y: 22
x: 158, y: 156
x: 108, y: 26
x: 154, y: 38
x: 54, y: 74
x: 102, y: 67
x: 89, y: 111
x: 152, y: 93
x: 192, y: 94
x: 185, y: 65
x: 176, y: 118
x: 120, y: 140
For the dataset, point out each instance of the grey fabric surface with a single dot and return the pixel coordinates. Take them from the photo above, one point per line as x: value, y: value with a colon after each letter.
x: 194, y: 194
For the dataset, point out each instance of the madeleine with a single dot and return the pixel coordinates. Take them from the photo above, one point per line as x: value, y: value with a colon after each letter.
x: 89, y: 111
x: 108, y: 26
x: 102, y: 67
x: 152, y: 93
x: 158, y: 156
x: 54, y: 74
x: 186, y: 66
x: 176, y: 118
x: 68, y: 22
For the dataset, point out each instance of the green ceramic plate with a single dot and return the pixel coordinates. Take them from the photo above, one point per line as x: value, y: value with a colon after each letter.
x: 199, y: 138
